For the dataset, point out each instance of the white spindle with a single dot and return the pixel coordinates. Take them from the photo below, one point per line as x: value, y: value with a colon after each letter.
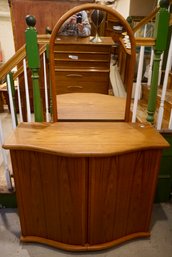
x: 19, y: 101
x: 46, y: 89
x: 27, y: 92
x: 5, y: 161
x: 160, y: 69
x: 13, y: 117
x: 138, y: 84
x: 138, y: 80
x: 150, y: 67
x: 164, y: 88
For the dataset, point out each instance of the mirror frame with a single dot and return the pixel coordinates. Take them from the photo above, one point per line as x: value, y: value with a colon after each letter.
x: 132, y: 60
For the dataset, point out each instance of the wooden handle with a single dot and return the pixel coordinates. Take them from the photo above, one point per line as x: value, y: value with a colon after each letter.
x: 75, y: 87
x: 74, y: 75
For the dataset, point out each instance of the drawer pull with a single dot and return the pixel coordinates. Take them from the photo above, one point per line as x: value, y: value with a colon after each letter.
x: 75, y: 87
x: 74, y: 75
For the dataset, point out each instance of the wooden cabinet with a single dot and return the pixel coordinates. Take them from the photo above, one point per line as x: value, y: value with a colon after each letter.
x: 85, y: 185
x: 82, y: 66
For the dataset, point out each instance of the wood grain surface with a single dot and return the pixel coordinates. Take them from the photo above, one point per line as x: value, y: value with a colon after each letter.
x: 84, y: 186
x: 90, y: 106
x: 85, y: 138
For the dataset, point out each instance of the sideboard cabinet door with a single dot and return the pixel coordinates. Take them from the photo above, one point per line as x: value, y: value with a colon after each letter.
x: 51, y: 194
x: 121, y: 195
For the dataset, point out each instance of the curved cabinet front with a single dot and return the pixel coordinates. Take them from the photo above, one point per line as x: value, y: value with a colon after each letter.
x: 84, y: 201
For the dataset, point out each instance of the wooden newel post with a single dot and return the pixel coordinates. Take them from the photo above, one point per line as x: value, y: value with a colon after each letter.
x: 32, y: 52
x: 160, y: 34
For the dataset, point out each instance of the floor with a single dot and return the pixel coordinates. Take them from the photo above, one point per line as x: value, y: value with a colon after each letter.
x: 159, y: 245
x: 6, y: 125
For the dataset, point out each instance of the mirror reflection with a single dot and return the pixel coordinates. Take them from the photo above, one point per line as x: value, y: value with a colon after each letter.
x: 92, y: 52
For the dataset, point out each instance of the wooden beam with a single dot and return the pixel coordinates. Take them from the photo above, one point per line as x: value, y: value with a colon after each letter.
x: 145, y: 41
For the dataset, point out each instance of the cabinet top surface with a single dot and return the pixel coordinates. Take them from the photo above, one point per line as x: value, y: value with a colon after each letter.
x: 83, y: 40
x: 84, y: 138
x: 90, y: 106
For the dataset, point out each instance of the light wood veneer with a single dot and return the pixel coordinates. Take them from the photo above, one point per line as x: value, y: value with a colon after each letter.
x: 85, y: 185
x: 90, y: 107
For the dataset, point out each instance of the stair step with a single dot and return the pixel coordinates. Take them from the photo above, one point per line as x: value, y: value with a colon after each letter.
x: 142, y: 106
x: 167, y: 102
x: 169, y: 83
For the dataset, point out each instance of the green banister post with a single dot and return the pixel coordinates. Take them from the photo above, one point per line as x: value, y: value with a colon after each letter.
x: 160, y: 34
x: 32, y: 53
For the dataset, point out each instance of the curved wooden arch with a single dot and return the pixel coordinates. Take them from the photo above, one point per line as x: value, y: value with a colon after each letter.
x: 131, y: 61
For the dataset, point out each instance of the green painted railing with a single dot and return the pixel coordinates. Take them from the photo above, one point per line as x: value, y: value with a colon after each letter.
x: 32, y: 53
x: 161, y: 35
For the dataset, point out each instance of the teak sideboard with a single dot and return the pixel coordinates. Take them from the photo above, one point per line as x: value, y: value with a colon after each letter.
x: 85, y: 185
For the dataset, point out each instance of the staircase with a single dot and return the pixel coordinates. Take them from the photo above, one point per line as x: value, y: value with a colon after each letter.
x: 142, y: 105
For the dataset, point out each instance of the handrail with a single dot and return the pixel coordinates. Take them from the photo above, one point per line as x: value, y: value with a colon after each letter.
x: 19, y: 56
x: 20, y: 70
x: 146, y: 19
x: 145, y: 41
x: 43, y: 39
x: 12, y: 62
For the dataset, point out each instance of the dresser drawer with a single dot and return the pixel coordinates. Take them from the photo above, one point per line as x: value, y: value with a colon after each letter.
x: 82, y: 64
x: 76, y: 48
x: 84, y: 56
x: 79, y: 76
x: 73, y: 86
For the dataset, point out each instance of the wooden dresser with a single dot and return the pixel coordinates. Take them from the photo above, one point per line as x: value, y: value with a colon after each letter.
x: 82, y: 66
x: 84, y: 186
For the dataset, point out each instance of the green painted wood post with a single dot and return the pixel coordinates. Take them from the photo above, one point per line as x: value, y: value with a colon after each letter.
x: 160, y: 34
x: 32, y: 52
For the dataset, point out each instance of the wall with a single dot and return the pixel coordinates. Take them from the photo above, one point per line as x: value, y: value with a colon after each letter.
x: 6, y: 35
x: 141, y: 8
x: 123, y: 6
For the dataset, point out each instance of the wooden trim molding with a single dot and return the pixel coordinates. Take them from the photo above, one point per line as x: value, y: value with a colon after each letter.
x: 145, y: 41
x: 12, y: 62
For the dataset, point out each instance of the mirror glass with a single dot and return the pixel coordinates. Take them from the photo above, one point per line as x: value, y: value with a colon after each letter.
x: 92, y: 53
